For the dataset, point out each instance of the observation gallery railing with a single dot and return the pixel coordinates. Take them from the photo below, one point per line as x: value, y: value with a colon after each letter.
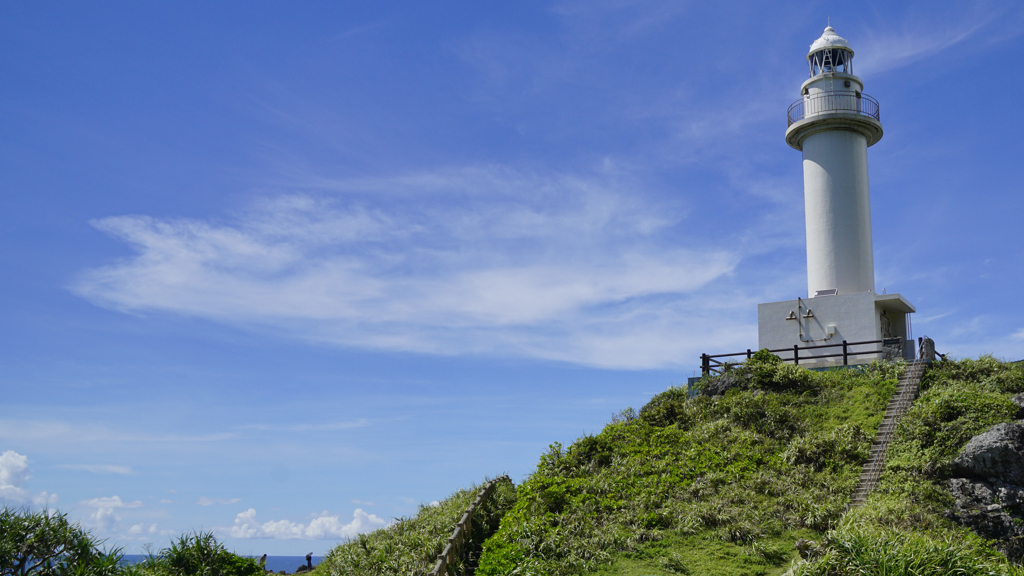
x: 834, y: 101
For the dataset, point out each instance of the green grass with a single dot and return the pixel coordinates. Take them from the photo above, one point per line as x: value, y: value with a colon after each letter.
x: 699, y: 485
x: 411, y: 545
x: 726, y: 485
x: 901, y: 529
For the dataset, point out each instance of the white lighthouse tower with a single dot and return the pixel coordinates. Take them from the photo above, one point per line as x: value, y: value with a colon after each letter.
x: 833, y: 124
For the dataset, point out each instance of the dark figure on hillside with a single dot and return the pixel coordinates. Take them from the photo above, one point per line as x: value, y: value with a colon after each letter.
x: 309, y: 561
x: 263, y: 562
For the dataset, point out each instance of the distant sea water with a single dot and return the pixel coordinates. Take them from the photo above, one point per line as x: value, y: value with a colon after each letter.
x: 274, y: 563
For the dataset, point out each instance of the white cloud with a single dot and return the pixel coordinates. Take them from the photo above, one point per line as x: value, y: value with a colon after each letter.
x: 323, y: 427
x: 99, y: 468
x: 142, y: 531
x: 461, y: 261
x: 109, y: 502
x: 323, y: 526
x: 891, y: 47
x: 13, y: 469
x: 141, y: 528
x: 105, y: 519
x: 204, y: 501
x: 14, y: 473
x: 74, y: 432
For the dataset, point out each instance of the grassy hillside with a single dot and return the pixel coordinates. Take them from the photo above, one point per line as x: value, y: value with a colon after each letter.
x: 411, y: 545
x: 727, y: 484
x: 902, y: 529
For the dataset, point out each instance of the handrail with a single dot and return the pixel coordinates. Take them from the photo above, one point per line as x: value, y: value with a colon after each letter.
x: 463, y: 531
x: 910, y: 382
x: 709, y: 362
x: 833, y: 101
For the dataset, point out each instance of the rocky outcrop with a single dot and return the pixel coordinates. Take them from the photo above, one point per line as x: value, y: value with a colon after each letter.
x: 989, y: 488
x: 1019, y: 401
x: 721, y: 384
x: 997, y: 453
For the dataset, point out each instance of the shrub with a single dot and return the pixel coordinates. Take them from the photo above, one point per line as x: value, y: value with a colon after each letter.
x: 847, y: 444
x: 943, y: 420
x: 200, y: 554
x: 46, y: 543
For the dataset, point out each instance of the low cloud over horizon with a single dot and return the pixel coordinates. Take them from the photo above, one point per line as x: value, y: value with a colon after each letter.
x: 325, y: 526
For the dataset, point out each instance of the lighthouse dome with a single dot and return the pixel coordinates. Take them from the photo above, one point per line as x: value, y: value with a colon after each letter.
x: 829, y: 39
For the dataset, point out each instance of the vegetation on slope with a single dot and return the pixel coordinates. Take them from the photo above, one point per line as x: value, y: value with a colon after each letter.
x: 702, y: 485
x: 902, y: 529
x: 411, y: 545
x: 46, y: 543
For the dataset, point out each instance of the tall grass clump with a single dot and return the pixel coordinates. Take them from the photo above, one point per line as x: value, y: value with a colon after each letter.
x: 903, y: 553
x: 411, y: 545
x: 711, y: 484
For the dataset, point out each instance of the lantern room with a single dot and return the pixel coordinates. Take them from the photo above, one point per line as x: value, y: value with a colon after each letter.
x: 830, y: 54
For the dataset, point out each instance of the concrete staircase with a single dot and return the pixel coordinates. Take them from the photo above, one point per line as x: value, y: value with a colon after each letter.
x: 906, y: 392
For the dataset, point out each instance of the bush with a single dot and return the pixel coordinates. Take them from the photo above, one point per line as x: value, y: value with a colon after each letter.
x: 943, y: 420
x: 200, y: 554
x: 847, y: 444
x: 46, y: 543
x: 995, y: 375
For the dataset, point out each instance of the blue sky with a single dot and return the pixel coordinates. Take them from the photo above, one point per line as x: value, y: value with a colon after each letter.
x: 289, y: 272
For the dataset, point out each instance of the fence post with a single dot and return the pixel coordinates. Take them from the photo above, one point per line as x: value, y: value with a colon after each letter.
x: 846, y: 355
x: 705, y: 364
x: 748, y: 354
x: 796, y: 354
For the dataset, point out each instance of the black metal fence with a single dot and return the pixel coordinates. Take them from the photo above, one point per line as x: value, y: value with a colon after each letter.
x: 834, y: 101
x: 710, y: 363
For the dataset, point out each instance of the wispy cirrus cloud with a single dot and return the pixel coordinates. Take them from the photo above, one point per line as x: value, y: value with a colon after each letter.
x: 311, y: 427
x: 109, y: 502
x: 891, y: 47
x: 75, y: 432
x: 99, y: 468
x: 484, y: 260
x: 204, y: 501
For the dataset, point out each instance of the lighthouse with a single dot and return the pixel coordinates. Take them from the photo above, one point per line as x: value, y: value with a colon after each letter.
x: 833, y: 124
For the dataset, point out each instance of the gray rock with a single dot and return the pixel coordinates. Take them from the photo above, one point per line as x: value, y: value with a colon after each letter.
x: 808, y: 549
x: 720, y: 384
x: 997, y: 453
x: 993, y: 510
x: 1019, y: 401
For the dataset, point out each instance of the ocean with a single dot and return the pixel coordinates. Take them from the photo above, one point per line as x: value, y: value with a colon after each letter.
x: 274, y: 563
